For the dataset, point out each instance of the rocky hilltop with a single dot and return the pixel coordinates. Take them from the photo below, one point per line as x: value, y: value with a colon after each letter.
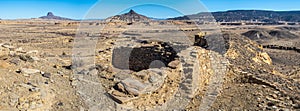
x: 50, y: 15
x: 130, y: 17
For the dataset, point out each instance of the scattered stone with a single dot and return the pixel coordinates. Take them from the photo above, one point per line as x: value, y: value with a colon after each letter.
x: 8, y: 46
x: 20, y: 50
x: 35, y: 58
x: 46, y: 75
x: 120, y: 97
x: 30, y: 87
x: 34, y: 89
x: 30, y: 102
x: 133, y: 86
x: 26, y: 58
x: 174, y: 64
x: 29, y: 71
x: 120, y: 87
x: 270, y: 104
x: 109, y: 69
x: 60, y: 104
x: 274, y: 95
x: 84, y: 71
x: 122, y: 75
x: 154, y: 78
x: 57, y: 66
x: 93, y: 72
x: 69, y: 67
x: 59, y: 72
x: 101, y: 51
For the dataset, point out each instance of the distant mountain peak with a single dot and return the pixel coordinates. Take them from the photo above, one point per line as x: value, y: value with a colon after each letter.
x: 50, y: 15
x: 131, y: 16
x: 132, y: 12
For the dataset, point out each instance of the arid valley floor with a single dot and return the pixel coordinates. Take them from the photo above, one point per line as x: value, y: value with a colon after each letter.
x: 244, y: 67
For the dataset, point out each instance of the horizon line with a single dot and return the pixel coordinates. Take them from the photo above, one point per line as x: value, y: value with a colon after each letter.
x: 77, y: 19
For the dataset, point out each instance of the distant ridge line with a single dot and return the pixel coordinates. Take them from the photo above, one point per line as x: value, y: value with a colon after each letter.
x: 246, y: 15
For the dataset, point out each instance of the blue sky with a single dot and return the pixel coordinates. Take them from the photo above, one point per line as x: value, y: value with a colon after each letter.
x: 91, y: 9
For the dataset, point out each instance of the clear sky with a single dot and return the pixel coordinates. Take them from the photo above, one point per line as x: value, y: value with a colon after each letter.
x: 94, y: 9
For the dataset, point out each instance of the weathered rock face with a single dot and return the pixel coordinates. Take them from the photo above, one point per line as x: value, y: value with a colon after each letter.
x: 50, y: 15
x: 129, y: 17
x: 252, y: 68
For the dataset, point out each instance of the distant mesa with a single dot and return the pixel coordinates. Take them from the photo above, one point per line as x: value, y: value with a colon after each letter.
x: 245, y: 15
x: 129, y: 17
x: 50, y: 15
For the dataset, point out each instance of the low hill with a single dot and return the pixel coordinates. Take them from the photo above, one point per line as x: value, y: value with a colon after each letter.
x: 269, y: 34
